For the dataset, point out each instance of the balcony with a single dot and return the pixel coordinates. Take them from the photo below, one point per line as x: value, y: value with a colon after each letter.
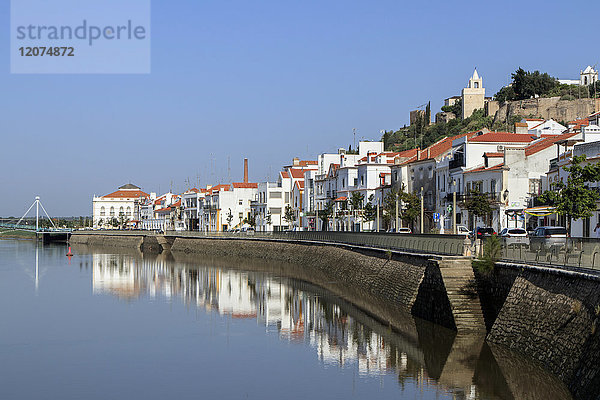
x: 460, y: 197
x: 457, y: 162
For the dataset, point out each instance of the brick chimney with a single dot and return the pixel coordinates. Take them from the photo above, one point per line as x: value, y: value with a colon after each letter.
x: 245, y: 170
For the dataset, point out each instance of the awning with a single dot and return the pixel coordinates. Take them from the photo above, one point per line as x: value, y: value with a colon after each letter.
x: 543, y: 211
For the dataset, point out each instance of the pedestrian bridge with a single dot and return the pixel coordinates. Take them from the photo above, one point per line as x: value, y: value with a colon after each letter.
x: 31, y: 228
x: 19, y: 226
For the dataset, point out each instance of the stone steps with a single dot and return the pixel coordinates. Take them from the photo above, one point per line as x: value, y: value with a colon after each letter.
x: 458, y: 278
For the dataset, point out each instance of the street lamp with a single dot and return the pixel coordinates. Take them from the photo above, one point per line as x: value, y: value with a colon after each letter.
x: 454, y: 206
x: 422, y: 210
x: 397, y: 216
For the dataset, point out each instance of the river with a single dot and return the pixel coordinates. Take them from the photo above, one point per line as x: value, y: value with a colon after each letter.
x: 108, y: 324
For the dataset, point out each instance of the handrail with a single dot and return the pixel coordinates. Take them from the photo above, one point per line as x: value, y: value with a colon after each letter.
x: 429, y: 244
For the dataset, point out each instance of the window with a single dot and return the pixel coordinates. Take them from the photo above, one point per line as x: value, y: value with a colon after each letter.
x: 241, y: 215
x: 535, y: 186
x: 112, y: 211
x: 129, y: 211
x: 476, y: 85
x: 493, y: 186
x: 240, y: 202
x: 121, y: 211
x: 102, y: 211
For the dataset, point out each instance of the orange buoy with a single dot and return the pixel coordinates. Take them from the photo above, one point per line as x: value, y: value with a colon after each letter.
x: 69, y: 254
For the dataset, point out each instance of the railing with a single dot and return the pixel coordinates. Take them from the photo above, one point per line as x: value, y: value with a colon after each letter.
x: 32, y: 228
x: 426, y: 244
x: 566, y: 252
x: 457, y: 162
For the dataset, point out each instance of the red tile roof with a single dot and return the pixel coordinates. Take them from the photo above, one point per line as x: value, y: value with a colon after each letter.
x: 244, y: 185
x: 342, y: 198
x: 218, y: 188
x: 493, y: 155
x: 305, y: 163
x: 484, y: 169
x: 297, y: 173
x: 545, y: 143
x: 126, y: 194
x: 284, y: 174
x: 300, y: 184
x: 501, y: 137
x: 578, y: 123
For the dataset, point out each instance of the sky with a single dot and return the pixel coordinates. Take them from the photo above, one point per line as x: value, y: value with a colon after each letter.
x: 267, y: 80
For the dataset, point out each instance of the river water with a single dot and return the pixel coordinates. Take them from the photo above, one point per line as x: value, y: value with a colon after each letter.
x: 107, y: 324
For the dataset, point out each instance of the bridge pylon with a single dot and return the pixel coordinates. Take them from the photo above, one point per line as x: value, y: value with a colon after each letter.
x: 37, y: 203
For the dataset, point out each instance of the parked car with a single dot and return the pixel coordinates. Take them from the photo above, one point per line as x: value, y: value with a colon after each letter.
x: 548, y: 238
x: 248, y: 230
x: 462, y: 230
x: 482, y: 232
x: 404, y: 230
x: 514, y: 237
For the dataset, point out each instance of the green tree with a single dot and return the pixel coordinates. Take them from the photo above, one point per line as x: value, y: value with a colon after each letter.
x: 229, y: 218
x: 356, y: 203
x: 478, y: 204
x: 526, y: 85
x: 507, y: 93
x: 369, y: 211
x: 410, y: 206
x: 289, y: 215
x: 575, y: 199
x: 428, y: 114
x: 455, y: 108
x: 122, y: 222
x: 325, y: 214
x: 250, y: 220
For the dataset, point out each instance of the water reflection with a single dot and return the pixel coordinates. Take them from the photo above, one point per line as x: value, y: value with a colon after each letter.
x: 340, y: 334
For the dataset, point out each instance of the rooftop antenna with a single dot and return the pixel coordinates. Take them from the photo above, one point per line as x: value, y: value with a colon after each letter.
x: 228, y: 169
x: 354, y: 134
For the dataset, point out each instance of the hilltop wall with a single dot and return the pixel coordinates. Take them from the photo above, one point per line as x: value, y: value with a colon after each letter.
x: 553, y: 107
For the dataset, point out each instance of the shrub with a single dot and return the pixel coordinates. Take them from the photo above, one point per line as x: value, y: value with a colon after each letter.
x: 491, y: 253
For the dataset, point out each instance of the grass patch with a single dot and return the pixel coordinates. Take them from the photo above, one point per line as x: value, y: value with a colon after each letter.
x: 12, y: 234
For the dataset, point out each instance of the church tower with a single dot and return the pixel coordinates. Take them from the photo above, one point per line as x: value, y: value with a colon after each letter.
x: 473, y: 96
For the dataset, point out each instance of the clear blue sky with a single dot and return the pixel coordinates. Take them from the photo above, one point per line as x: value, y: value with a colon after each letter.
x: 267, y: 80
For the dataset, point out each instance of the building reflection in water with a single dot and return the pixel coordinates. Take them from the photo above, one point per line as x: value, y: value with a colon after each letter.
x: 300, y: 312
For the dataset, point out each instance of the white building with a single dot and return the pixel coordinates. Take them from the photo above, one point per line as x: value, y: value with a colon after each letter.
x: 120, y: 204
x: 587, y: 77
x: 547, y: 127
x: 226, y: 207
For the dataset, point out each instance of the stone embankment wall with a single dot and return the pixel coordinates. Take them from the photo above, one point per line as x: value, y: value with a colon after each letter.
x: 548, y: 315
x: 553, y: 107
x: 373, y: 274
x: 118, y: 241
x: 410, y: 284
